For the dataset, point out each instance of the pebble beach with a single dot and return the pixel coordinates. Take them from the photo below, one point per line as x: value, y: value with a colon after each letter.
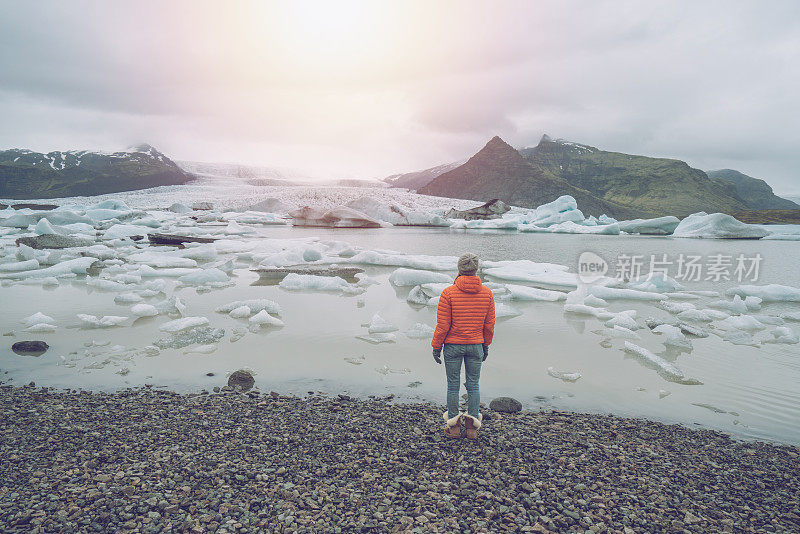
x: 150, y: 460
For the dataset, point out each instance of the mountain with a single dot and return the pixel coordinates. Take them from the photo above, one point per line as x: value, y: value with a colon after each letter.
x: 757, y: 194
x: 499, y: 171
x: 417, y: 179
x: 26, y: 174
x: 657, y: 186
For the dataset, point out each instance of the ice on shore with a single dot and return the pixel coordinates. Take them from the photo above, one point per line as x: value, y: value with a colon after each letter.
x: 378, y: 325
x: 420, y: 331
x: 107, y: 321
x: 518, y: 292
x: 717, y: 226
x: 184, y: 323
x: 414, y: 277
x: 657, y: 226
x: 253, y: 305
x: 768, y: 292
x: 263, y: 318
x: 563, y: 375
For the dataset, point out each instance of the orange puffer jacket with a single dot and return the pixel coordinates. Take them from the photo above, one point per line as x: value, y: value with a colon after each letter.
x: 465, y: 314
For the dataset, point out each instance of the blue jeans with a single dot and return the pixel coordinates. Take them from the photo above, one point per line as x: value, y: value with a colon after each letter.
x: 472, y: 355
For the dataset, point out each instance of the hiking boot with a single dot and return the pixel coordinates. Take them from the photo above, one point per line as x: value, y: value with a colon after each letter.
x: 472, y: 425
x: 452, y: 426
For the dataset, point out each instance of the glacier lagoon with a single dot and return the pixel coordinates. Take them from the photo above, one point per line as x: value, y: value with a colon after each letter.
x: 748, y: 390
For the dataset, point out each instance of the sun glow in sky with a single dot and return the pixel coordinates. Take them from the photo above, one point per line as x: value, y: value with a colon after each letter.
x: 367, y: 89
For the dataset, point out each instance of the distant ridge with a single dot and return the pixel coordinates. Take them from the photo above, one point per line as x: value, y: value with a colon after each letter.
x: 25, y: 174
x: 757, y: 194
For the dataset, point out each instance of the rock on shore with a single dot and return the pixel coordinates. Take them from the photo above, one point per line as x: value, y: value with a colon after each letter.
x: 155, y: 461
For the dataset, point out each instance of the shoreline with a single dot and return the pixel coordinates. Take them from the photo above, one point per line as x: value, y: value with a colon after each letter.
x: 150, y: 460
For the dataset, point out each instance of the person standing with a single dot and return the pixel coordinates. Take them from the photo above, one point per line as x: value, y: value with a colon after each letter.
x: 464, y: 330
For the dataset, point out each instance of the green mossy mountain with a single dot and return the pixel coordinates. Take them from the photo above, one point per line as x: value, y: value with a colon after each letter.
x: 499, y: 171
x: 31, y: 175
x: 757, y: 194
x: 657, y: 186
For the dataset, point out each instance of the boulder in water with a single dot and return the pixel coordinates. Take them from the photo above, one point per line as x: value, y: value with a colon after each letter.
x: 505, y: 404
x: 241, y: 378
x: 30, y: 348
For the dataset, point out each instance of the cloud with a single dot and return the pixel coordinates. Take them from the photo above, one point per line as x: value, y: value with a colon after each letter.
x: 369, y: 88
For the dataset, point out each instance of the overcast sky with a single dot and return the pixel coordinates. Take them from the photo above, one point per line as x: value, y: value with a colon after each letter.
x: 367, y: 90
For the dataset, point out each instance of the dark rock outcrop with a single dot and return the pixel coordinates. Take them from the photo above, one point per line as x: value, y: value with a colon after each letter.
x: 494, y: 209
x: 174, y: 239
x: 54, y: 241
x: 30, y: 348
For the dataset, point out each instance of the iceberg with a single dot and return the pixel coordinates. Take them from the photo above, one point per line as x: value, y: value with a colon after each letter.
x: 185, y: 323
x: 106, y: 321
x: 614, y: 293
x: 242, y: 312
x: 419, y: 331
x: 741, y: 322
x: 785, y: 335
x: 263, y: 318
x: 625, y: 319
x: 657, y: 226
x: 563, y: 376
x: 37, y: 318
x: 160, y: 260
x: 65, y: 268
x: 717, y: 226
x: 768, y: 293
x: 309, y: 282
x: 412, y: 261
x: 380, y: 326
x: 620, y: 332
x: 413, y: 277
x: 583, y: 309
x: 394, y: 214
x: 378, y: 338
x: 17, y: 266
x: 144, y: 310
x: 704, y: 316
x: 502, y: 309
x: 203, y: 277
x: 517, y: 292
x: 41, y: 328
x: 339, y: 217
x: 664, y: 368
x: 562, y: 209
x: 674, y: 336
x: 418, y: 296
x: 254, y: 305
x: 675, y: 307
x: 656, y: 282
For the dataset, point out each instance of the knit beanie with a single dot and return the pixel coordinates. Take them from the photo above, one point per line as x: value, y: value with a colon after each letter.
x: 468, y: 264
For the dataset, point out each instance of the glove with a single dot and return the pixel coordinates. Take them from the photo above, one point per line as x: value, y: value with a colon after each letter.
x: 485, y: 352
x: 437, y: 356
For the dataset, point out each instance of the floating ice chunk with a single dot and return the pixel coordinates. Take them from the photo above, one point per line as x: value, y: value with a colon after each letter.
x: 144, y: 310
x: 563, y: 376
x: 18, y: 220
x: 202, y: 349
x: 123, y: 231
x: 666, y: 369
x: 43, y: 227
x: 768, y: 293
x: 41, y: 328
x: 107, y: 321
x: 613, y: 293
x: 110, y: 204
x: 417, y: 296
x: 675, y: 307
x: 784, y: 334
x: 161, y: 260
x: 17, y: 266
x: 145, y: 271
x: 177, y: 207
x: 717, y: 226
x: 201, y: 335
x: 378, y: 325
x: 625, y: 319
x: 621, y: 332
x: 741, y: 322
x: 419, y: 331
x: 737, y: 305
x: 663, y: 393
x: 769, y: 319
x: 308, y: 282
x: 595, y: 302
x: 235, y: 228
x: 583, y: 309
x: 485, y: 224
x: 434, y: 289
x: 185, y: 323
x: 37, y: 318
x: 501, y: 309
x: 396, y: 215
x: 433, y: 303
x: 198, y: 252
x: 378, y: 338
x: 413, y: 261
x: 791, y: 316
x: 517, y: 292
x: 101, y: 252
x: 366, y: 281
x: 657, y: 226
x: 571, y: 227
x: 674, y: 336
x: 208, y: 276
x: 562, y: 209
x: 737, y: 337
x: 101, y: 214
x: 752, y: 303
x: 254, y: 305
x: 242, y: 312
x: 702, y: 315
x: 105, y: 285
x: 263, y: 318
x: 656, y: 282
x: 412, y: 277
x: 68, y: 267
